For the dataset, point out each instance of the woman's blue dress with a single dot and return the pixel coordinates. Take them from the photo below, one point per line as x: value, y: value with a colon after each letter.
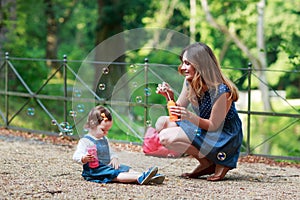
x: 223, y: 145
x: 104, y: 173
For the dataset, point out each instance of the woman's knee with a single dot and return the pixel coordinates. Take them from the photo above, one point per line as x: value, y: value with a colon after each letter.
x: 173, y: 135
x: 164, y: 137
x: 161, y: 123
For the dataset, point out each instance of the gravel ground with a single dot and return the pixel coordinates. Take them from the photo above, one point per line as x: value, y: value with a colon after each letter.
x: 37, y: 169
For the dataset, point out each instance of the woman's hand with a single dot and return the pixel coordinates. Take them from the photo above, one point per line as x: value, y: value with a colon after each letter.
x: 114, y: 162
x: 165, y: 90
x: 181, y: 112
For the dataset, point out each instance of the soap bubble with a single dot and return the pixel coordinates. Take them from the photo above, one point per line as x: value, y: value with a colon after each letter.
x: 77, y: 92
x: 73, y: 113
x: 134, y: 84
x: 30, y: 111
x: 80, y: 108
x: 139, y: 99
x: 197, y: 130
x: 66, y: 128
x: 101, y: 86
x: 53, y: 122
x: 105, y: 70
x: 132, y: 68
x: 123, y: 101
x: 85, y: 131
x: 148, y: 123
x: 147, y: 91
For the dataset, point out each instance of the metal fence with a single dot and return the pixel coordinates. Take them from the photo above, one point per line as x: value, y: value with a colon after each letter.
x: 61, y: 112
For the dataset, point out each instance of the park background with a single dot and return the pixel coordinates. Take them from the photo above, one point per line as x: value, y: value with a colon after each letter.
x: 38, y: 37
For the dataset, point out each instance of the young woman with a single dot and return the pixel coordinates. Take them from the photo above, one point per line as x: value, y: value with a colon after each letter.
x: 213, y: 132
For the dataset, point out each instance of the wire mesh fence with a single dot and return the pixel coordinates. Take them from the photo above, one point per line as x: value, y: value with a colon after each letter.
x: 56, y: 101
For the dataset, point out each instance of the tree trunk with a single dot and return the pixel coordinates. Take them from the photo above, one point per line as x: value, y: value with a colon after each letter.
x: 108, y: 26
x: 7, y: 13
x: 262, y: 56
x: 193, y: 14
x: 51, y: 47
x: 262, y: 74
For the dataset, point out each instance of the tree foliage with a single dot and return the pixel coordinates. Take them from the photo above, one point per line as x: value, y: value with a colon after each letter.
x: 76, y: 27
x: 81, y: 25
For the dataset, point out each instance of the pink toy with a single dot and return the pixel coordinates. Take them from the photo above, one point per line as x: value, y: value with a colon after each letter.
x: 152, y: 146
x: 93, y: 151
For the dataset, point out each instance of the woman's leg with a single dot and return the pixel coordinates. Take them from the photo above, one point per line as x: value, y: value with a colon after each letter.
x: 163, y: 122
x: 220, y: 173
x: 176, y: 139
x: 205, y: 167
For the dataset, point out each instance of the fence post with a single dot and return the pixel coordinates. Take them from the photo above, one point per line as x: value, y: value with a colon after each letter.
x: 146, y: 94
x: 6, y: 89
x: 65, y: 87
x: 249, y: 107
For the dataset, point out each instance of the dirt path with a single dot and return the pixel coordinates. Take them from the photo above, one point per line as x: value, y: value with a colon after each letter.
x: 32, y: 169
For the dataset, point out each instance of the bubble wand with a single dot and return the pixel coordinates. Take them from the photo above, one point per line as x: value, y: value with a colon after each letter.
x: 169, y: 98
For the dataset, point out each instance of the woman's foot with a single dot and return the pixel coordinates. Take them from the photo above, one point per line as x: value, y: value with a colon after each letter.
x: 220, y: 173
x: 200, y: 171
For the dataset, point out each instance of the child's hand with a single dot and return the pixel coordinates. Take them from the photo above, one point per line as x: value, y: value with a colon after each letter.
x: 87, y: 158
x: 114, y: 162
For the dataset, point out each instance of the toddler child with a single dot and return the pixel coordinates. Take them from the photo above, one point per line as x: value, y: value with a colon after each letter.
x: 105, y: 166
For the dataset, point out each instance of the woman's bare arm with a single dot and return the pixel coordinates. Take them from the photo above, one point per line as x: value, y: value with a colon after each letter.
x: 217, y: 116
x: 182, y: 99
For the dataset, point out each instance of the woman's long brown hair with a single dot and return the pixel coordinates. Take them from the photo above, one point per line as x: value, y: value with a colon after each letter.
x: 207, y: 71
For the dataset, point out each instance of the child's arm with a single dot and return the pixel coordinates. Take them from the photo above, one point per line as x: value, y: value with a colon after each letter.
x: 80, y: 155
x: 114, y: 159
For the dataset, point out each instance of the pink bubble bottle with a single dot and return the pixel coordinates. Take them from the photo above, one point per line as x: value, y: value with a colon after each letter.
x: 93, y: 151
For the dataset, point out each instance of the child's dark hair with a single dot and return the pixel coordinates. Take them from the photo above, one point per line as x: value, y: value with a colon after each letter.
x: 96, y: 116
